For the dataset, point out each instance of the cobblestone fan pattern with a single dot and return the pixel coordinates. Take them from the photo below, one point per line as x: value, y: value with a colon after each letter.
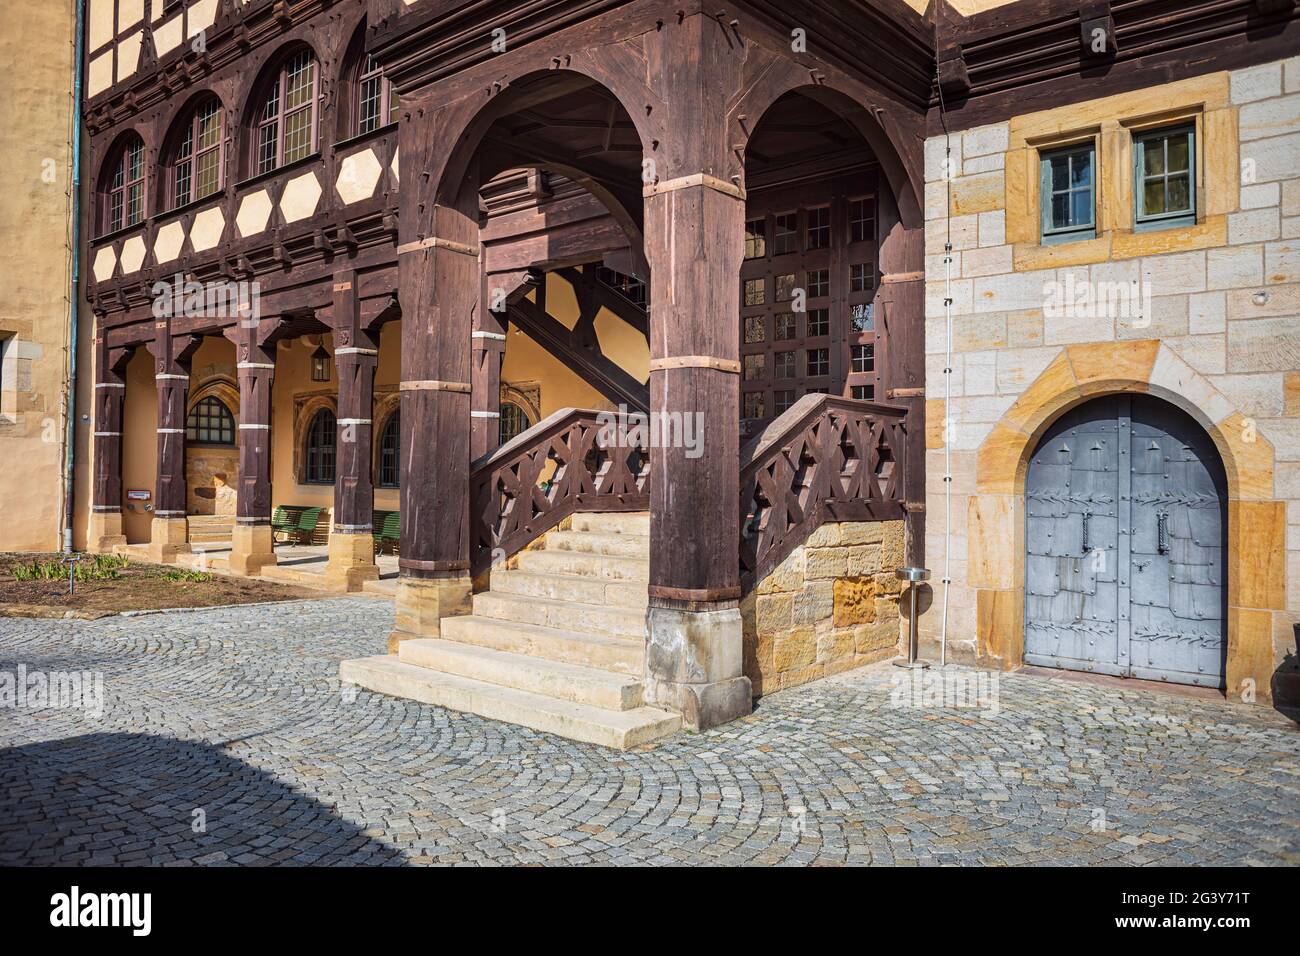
x: 226, y: 738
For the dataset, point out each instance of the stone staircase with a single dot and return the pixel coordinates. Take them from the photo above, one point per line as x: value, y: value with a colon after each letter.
x: 210, y: 529
x: 557, y: 644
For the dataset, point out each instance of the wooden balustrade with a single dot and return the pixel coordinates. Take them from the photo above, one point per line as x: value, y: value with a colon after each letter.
x: 571, y: 461
x: 824, y: 459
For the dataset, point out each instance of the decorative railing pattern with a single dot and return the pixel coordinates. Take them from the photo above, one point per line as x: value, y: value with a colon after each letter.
x: 571, y: 461
x: 824, y: 459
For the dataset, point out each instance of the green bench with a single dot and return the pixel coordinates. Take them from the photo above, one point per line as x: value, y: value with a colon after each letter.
x: 296, y: 523
x: 387, y: 530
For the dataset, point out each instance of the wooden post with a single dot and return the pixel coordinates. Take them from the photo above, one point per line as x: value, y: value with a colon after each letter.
x: 439, y: 284
x: 901, y: 307
x: 110, y: 395
x: 252, y: 546
x: 356, y: 354
x: 489, y: 350
x: 694, y: 229
x: 169, y: 534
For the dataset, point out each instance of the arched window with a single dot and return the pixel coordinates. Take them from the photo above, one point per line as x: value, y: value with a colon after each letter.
x: 513, y: 422
x: 286, y: 119
x: 210, y: 421
x: 125, y: 192
x: 377, y: 104
x: 390, y: 444
x: 320, y: 449
x: 197, y: 160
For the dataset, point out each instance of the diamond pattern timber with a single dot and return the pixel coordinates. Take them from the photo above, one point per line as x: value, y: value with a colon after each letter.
x: 564, y: 464
x: 825, y: 459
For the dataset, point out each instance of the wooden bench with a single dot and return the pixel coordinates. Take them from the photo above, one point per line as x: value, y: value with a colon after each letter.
x: 387, y: 531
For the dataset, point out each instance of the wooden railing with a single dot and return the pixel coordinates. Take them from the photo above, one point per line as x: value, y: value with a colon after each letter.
x: 824, y: 459
x: 566, y: 463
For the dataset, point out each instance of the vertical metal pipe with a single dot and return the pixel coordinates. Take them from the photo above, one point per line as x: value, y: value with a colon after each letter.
x: 70, y: 395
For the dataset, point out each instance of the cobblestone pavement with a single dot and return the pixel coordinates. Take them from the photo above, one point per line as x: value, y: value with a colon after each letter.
x: 226, y: 738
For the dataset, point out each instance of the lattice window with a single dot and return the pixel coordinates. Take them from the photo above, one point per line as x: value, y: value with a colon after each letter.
x: 196, y: 171
x: 320, y: 450
x: 390, y: 447
x: 210, y: 422
x: 286, y: 131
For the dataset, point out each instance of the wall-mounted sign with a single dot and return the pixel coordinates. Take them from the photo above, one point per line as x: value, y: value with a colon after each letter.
x: 138, y: 494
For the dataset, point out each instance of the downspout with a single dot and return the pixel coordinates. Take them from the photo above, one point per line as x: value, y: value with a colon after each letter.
x: 70, y: 396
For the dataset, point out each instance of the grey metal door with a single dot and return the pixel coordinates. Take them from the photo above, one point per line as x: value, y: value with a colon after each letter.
x: 1124, y: 539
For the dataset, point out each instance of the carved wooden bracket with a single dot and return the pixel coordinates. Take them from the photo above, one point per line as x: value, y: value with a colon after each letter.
x: 954, y: 80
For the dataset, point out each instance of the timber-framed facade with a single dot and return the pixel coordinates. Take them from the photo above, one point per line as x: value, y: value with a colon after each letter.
x: 433, y: 213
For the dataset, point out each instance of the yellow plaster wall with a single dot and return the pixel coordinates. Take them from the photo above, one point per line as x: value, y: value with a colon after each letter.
x: 35, y: 268
x: 139, y: 444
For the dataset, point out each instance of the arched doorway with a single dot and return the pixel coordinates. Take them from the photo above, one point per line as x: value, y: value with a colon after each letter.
x: 1125, y: 544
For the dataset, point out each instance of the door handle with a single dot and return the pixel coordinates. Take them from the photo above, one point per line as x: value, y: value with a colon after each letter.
x: 1162, y: 533
x: 1086, y: 516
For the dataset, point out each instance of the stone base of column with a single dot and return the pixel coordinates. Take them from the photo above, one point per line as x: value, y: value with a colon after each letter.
x: 694, y: 665
x: 105, y: 532
x: 351, y: 560
x: 168, y: 537
x: 422, y: 603
x: 252, y: 548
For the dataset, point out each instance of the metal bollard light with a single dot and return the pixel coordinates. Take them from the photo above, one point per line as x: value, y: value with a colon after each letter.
x: 914, y: 576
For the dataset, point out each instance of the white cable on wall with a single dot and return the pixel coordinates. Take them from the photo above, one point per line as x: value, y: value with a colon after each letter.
x: 947, y: 377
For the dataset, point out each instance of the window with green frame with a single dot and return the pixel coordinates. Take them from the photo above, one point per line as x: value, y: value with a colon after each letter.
x: 1164, y: 188
x: 1067, y: 193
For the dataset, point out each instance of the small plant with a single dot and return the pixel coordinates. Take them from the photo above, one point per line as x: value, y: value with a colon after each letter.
x: 183, y: 576
x: 102, y: 567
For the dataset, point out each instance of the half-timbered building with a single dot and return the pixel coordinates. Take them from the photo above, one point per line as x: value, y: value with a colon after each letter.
x: 654, y: 337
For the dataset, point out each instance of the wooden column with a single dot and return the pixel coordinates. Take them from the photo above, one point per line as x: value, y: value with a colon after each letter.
x: 356, y: 354
x: 487, y: 353
x: 901, y: 311
x: 169, y: 529
x: 694, y: 233
x: 110, y: 394
x: 252, y: 546
x: 439, y: 284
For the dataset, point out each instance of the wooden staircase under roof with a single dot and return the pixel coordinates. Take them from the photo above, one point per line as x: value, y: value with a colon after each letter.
x: 557, y: 644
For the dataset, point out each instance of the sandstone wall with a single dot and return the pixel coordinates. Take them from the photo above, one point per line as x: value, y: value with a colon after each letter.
x: 830, y: 606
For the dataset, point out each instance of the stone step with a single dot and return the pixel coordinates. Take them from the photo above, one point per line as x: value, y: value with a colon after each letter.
x: 387, y: 587
x: 613, y: 522
x: 596, y: 542
x: 290, y: 575
x: 586, y: 565
x: 210, y: 521
x: 571, y: 587
x: 572, y: 682
x: 621, y: 654
x: 620, y: 729
x: 544, y: 612
x: 210, y: 537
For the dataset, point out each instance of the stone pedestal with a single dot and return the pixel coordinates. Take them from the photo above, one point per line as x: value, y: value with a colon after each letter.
x: 351, y: 560
x: 694, y: 665
x: 168, y: 537
x: 251, y: 548
x: 105, y: 532
x: 423, y: 602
